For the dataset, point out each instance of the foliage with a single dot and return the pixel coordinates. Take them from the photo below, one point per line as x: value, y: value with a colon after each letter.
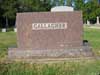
x: 79, y: 4
x: 33, y: 5
x: 91, y: 9
x: 9, y: 8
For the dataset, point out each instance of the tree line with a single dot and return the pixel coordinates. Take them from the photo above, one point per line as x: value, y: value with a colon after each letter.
x: 9, y: 8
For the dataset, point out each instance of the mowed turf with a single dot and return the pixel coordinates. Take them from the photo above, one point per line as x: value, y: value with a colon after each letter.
x: 62, y: 68
x: 93, y: 36
x: 79, y: 67
x: 7, y: 39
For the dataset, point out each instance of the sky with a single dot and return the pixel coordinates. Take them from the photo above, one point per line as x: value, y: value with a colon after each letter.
x: 86, y: 1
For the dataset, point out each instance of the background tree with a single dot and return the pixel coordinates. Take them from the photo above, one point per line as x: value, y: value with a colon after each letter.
x: 79, y: 4
x: 9, y: 8
x: 33, y: 5
x: 0, y: 14
x: 69, y: 2
x: 91, y: 11
x: 9, y: 11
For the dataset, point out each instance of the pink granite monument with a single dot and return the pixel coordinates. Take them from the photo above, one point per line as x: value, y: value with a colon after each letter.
x: 49, y: 35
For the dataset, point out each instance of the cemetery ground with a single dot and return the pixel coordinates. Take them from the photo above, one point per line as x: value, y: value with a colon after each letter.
x: 79, y: 67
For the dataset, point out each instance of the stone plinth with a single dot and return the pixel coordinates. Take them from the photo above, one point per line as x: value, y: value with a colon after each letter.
x: 16, y: 53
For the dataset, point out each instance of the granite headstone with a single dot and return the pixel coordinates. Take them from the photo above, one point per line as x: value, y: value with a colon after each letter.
x: 49, y: 35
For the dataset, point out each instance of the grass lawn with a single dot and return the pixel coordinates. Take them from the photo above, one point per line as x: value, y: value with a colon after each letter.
x: 7, y: 39
x: 93, y: 36
x: 81, y: 67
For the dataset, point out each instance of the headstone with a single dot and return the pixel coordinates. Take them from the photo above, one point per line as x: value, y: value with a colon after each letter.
x: 4, y: 30
x: 62, y: 9
x: 15, y: 29
x: 88, y: 22
x: 49, y: 35
x: 98, y: 21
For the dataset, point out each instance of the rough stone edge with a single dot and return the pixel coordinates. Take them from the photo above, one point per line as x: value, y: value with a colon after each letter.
x: 53, y: 54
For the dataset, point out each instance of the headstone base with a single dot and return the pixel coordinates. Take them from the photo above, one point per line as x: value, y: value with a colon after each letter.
x: 15, y: 53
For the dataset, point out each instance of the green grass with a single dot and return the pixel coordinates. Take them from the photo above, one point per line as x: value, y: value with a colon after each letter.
x: 7, y: 39
x: 93, y: 36
x: 81, y: 67
x: 64, y: 68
